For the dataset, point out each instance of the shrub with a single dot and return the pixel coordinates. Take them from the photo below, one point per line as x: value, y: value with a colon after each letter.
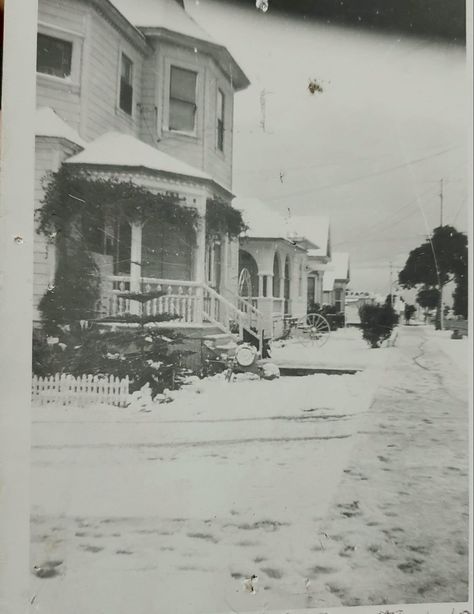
x: 146, y: 356
x: 377, y: 323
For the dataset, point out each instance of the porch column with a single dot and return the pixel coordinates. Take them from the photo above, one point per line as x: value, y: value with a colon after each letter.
x: 200, y: 266
x: 260, y: 285
x: 282, y: 283
x: 135, y: 263
x: 270, y: 285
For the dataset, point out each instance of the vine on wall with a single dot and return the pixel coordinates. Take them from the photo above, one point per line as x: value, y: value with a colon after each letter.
x: 222, y: 218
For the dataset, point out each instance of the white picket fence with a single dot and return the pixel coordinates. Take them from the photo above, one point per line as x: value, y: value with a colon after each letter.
x: 80, y: 391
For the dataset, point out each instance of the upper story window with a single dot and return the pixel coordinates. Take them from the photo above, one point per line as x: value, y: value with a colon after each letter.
x: 220, y: 120
x: 54, y: 56
x: 126, y: 84
x: 182, y: 109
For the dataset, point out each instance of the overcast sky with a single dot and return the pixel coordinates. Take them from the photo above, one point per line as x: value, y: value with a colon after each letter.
x: 369, y: 151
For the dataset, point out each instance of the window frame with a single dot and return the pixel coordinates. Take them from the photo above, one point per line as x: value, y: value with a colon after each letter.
x: 220, y: 120
x: 70, y: 36
x: 123, y: 55
x: 169, y: 65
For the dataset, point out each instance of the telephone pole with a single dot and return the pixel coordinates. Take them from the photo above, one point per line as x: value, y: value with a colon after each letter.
x: 441, y: 202
x: 441, y: 304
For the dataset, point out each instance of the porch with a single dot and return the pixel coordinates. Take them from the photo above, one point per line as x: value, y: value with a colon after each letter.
x: 272, y: 278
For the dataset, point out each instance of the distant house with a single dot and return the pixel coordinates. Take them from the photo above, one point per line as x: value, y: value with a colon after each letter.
x: 353, y: 302
x: 272, y: 264
x: 139, y: 92
x: 335, y: 280
x: 317, y: 229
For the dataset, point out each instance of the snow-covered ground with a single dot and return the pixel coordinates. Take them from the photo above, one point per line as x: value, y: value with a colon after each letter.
x: 173, y: 509
x: 345, y: 348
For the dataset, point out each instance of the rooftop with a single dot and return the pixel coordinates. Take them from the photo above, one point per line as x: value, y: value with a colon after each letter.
x: 168, y: 18
x: 315, y: 229
x: 263, y: 222
x: 48, y: 123
x: 117, y: 149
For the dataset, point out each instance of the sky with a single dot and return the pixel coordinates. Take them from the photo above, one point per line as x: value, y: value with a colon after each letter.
x: 370, y: 150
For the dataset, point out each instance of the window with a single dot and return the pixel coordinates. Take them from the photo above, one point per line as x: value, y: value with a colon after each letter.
x: 182, y: 113
x: 220, y: 120
x: 54, y: 56
x: 126, y: 85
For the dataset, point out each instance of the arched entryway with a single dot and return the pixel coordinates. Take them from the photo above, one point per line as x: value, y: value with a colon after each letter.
x: 248, y: 275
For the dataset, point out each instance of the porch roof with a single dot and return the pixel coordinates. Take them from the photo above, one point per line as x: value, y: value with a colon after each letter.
x: 314, y: 228
x: 48, y: 123
x: 123, y: 150
x: 262, y: 221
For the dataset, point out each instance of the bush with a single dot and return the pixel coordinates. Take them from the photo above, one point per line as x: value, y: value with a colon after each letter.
x: 377, y: 323
x: 145, y: 355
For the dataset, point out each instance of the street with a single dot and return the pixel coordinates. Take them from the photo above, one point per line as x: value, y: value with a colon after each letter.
x: 328, y: 495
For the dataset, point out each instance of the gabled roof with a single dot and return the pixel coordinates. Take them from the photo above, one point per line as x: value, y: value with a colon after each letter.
x: 166, y: 14
x: 124, y: 150
x: 48, y: 123
x: 168, y: 19
x: 340, y: 265
x: 337, y: 270
x: 262, y: 221
x: 314, y: 228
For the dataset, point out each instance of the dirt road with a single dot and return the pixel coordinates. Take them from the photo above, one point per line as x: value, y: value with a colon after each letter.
x: 398, y: 527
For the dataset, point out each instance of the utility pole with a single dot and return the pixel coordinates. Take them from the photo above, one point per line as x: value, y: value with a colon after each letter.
x: 441, y: 303
x: 441, y: 203
x: 391, y: 283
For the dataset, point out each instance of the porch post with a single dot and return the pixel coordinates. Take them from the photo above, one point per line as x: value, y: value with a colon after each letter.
x: 199, y: 265
x: 135, y: 263
x: 260, y: 285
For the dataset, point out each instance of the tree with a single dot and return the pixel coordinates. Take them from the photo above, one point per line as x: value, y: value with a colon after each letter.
x: 438, y: 261
x: 377, y: 322
x: 428, y: 298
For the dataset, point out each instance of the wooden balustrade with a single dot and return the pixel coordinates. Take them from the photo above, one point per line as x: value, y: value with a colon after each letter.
x: 190, y: 301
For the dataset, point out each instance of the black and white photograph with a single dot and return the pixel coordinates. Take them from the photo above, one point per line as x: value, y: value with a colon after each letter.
x: 245, y: 338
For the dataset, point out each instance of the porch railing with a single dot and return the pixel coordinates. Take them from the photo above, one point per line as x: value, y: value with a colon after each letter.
x: 190, y: 301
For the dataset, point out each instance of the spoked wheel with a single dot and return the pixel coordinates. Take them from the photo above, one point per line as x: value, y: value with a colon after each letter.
x: 312, y: 329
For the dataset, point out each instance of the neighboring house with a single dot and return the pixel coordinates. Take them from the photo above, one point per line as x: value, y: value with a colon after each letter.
x: 353, y: 301
x: 137, y: 91
x: 318, y: 231
x: 272, y: 264
x: 335, y: 280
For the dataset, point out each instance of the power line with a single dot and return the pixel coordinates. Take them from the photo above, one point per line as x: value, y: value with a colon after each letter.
x: 363, y: 177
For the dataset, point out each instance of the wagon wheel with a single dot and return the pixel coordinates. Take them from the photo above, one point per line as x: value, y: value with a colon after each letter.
x: 312, y: 329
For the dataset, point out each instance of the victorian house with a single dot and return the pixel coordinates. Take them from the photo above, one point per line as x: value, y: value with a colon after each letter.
x: 137, y: 92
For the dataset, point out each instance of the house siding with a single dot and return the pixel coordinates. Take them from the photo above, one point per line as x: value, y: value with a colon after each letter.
x: 63, y: 97
x: 199, y: 150
x: 104, y: 47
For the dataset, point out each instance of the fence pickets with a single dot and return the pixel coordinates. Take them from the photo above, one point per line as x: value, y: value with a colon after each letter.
x: 80, y: 391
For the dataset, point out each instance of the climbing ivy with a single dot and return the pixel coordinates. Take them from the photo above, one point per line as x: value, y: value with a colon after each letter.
x: 222, y: 218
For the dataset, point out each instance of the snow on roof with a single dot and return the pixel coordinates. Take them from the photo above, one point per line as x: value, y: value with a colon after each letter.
x: 48, y: 123
x: 340, y: 265
x: 116, y: 149
x: 337, y: 270
x: 263, y: 222
x: 314, y: 228
x: 328, y: 281
x: 166, y: 14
